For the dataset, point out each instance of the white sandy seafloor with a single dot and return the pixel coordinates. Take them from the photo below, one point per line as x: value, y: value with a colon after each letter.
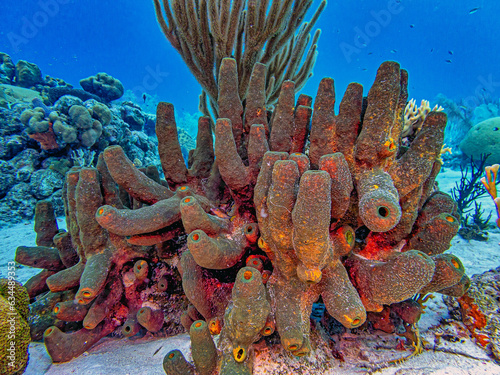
x: 362, y: 353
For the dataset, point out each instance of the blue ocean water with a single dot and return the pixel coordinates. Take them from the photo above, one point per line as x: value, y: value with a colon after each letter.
x: 447, y: 46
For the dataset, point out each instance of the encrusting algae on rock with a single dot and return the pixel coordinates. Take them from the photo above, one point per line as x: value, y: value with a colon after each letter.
x: 256, y: 229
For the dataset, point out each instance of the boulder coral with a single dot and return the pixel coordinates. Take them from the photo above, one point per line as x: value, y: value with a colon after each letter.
x: 27, y: 74
x: 7, y: 69
x: 483, y: 138
x: 54, y: 130
x: 273, y: 213
x: 104, y: 86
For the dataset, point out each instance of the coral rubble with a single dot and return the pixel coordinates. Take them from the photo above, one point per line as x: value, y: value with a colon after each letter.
x: 272, y: 215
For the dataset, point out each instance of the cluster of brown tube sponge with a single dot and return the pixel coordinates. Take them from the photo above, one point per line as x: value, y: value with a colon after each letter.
x: 277, y: 211
x: 94, y: 278
x: 311, y: 204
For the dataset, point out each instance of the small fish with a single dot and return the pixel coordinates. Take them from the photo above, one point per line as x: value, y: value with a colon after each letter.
x: 157, y: 350
x: 474, y: 10
x: 219, y: 213
x: 144, y: 97
x: 450, y: 52
x: 394, y: 50
x: 370, y: 53
x: 432, y: 50
x: 448, y: 61
x: 412, y: 26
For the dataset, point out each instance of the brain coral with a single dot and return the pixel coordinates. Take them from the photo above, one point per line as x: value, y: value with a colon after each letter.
x: 14, y: 330
x: 483, y: 138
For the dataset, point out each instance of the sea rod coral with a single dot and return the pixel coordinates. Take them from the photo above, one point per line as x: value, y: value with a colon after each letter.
x: 303, y: 205
x: 269, y: 32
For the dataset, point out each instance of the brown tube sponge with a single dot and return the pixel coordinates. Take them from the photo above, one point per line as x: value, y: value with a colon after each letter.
x: 384, y: 283
x: 230, y: 366
x: 434, y: 236
x: 66, y: 279
x: 203, y: 348
x: 67, y: 253
x: 206, y: 293
x: 448, y: 272
x: 231, y: 166
x: 45, y: 223
x: 302, y: 120
x: 378, y: 201
x: 251, y: 231
x: 280, y: 201
x: 283, y: 119
x: 39, y: 257
x: 292, y: 305
x: 457, y: 290
x: 255, y: 108
x: 341, y: 299
x: 311, y: 221
x: 229, y: 102
x: 342, y: 185
x: 174, y: 363
x: 194, y: 217
x: 143, y: 220
x: 374, y: 143
x: 136, y: 183
x: 343, y: 240
x: 70, y: 311
x: 131, y: 327
x: 150, y: 319
x: 214, y: 253
x: 94, y: 276
x: 302, y: 162
x: 63, y: 347
x: 323, y: 124
x: 103, y: 304
x: 169, y: 148
x: 247, y: 315
x: 38, y: 283
x: 141, y: 269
